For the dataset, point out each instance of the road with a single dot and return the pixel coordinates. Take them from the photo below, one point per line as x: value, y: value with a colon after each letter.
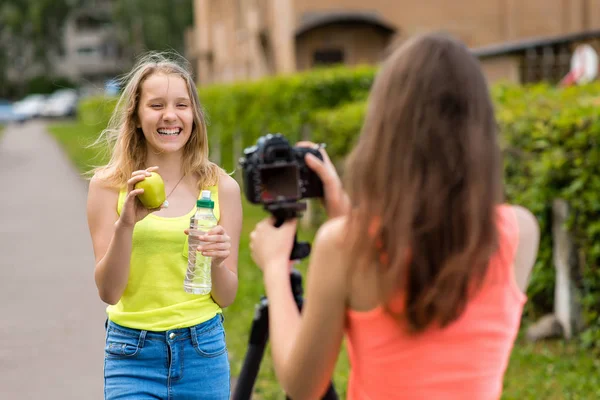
x: 52, y: 330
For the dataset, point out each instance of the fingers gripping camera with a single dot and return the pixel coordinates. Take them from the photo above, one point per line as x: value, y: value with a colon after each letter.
x: 275, y: 172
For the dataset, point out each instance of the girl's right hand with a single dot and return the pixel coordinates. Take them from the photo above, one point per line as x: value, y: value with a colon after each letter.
x: 336, y: 200
x: 133, y: 210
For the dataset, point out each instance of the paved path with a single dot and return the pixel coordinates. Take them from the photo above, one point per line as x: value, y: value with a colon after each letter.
x: 51, y: 319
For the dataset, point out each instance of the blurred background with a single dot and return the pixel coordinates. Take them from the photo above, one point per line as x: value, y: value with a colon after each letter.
x: 303, y: 68
x: 83, y: 45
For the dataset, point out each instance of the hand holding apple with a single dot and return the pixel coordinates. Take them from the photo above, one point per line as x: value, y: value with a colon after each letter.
x: 154, y: 191
x: 133, y: 210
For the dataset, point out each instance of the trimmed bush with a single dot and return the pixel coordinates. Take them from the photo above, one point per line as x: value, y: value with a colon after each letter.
x: 282, y: 104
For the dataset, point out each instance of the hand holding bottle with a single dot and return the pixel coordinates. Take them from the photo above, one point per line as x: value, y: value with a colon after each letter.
x: 215, y: 244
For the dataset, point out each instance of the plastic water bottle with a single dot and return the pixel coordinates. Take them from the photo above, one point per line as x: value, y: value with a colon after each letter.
x: 197, y: 277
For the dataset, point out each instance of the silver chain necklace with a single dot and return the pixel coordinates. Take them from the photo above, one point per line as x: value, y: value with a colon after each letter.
x: 166, y: 203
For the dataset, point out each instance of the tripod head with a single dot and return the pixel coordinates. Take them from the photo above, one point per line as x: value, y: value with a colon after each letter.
x: 285, y: 211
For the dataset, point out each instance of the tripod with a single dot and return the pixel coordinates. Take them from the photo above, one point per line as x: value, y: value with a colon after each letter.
x: 259, y: 331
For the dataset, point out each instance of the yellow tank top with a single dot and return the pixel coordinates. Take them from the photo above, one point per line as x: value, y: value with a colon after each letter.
x: 154, y: 298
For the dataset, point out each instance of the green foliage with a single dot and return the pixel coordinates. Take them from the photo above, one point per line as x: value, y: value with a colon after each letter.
x: 281, y: 104
x: 96, y: 111
x: 551, y: 139
x: 76, y: 139
x: 339, y: 128
x: 31, y: 31
x: 152, y: 25
x: 44, y: 84
x: 551, y: 371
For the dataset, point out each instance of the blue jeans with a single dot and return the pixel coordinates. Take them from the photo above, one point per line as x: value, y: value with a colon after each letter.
x: 187, y: 363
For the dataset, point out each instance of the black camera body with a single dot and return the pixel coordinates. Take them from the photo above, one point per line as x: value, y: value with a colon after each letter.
x: 275, y: 172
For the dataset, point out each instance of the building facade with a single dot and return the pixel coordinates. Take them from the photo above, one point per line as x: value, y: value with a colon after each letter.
x: 91, y: 51
x: 247, y: 39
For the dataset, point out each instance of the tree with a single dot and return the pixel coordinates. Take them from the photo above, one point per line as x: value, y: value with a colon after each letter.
x: 30, y: 33
x: 156, y: 25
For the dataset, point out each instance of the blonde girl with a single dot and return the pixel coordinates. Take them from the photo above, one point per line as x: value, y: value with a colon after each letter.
x: 161, y: 342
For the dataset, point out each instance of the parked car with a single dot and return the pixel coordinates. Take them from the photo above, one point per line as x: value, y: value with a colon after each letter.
x: 29, y: 107
x: 62, y: 103
x: 7, y: 114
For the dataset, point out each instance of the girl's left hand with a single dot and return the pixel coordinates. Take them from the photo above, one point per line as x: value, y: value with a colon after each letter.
x: 217, y: 244
x: 270, y: 245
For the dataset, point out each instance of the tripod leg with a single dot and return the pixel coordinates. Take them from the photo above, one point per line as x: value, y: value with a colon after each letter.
x: 259, y: 334
x: 329, y: 395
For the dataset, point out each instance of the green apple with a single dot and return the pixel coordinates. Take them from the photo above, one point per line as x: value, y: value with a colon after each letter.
x: 154, y: 191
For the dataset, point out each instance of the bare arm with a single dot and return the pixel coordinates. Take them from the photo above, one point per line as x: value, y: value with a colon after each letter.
x: 224, y: 274
x: 305, y: 347
x: 111, y: 242
x: 112, y: 234
x: 527, y: 249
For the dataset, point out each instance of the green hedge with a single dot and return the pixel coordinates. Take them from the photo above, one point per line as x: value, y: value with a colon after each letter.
x: 551, y: 143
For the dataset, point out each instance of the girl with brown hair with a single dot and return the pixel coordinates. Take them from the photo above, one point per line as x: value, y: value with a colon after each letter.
x: 421, y: 265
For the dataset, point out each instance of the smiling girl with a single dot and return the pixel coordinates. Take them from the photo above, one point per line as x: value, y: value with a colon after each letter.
x: 161, y: 342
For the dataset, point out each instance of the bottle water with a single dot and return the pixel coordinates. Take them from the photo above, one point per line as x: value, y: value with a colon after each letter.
x: 197, y: 277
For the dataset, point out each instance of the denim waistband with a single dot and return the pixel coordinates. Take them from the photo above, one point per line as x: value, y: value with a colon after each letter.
x: 170, y: 335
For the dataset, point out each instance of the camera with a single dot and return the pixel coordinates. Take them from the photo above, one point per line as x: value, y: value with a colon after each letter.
x: 275, y: 173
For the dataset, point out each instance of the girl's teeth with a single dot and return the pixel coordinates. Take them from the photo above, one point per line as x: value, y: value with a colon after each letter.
x: 168, y: 131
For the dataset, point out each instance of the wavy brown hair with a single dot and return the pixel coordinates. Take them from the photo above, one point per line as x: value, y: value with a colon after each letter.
x: 424, y: 180
x: 126, y: 142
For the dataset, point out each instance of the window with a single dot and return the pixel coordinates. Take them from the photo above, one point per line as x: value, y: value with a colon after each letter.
x: 328, y: 57
x: 91, y: 23
x: 548, y: 63
x: 86, y: 51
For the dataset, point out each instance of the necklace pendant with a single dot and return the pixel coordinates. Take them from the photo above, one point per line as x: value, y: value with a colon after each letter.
x: 166, y: 204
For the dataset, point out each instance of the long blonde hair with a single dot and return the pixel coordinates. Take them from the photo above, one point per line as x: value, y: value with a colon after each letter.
x: 126, y: 142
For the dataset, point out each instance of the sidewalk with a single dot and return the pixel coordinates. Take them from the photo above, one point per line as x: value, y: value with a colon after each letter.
x: 52, y: 331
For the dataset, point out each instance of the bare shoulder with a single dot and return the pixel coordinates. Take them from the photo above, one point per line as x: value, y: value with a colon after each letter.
x: 332, y: 233
x: 328, y: 267
x: 329, y: 244
x: 527, y: 248
x: 101, y: 196
x: 99, y: 187
x: 228, y: 185
x: 528, y: 223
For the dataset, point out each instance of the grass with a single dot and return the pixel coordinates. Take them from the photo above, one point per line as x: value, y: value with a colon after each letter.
x: 551, y: 370
x: 76, y: 139
x: 548, y: 370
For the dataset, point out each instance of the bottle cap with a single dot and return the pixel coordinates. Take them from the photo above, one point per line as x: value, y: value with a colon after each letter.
x: 204, y: 201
